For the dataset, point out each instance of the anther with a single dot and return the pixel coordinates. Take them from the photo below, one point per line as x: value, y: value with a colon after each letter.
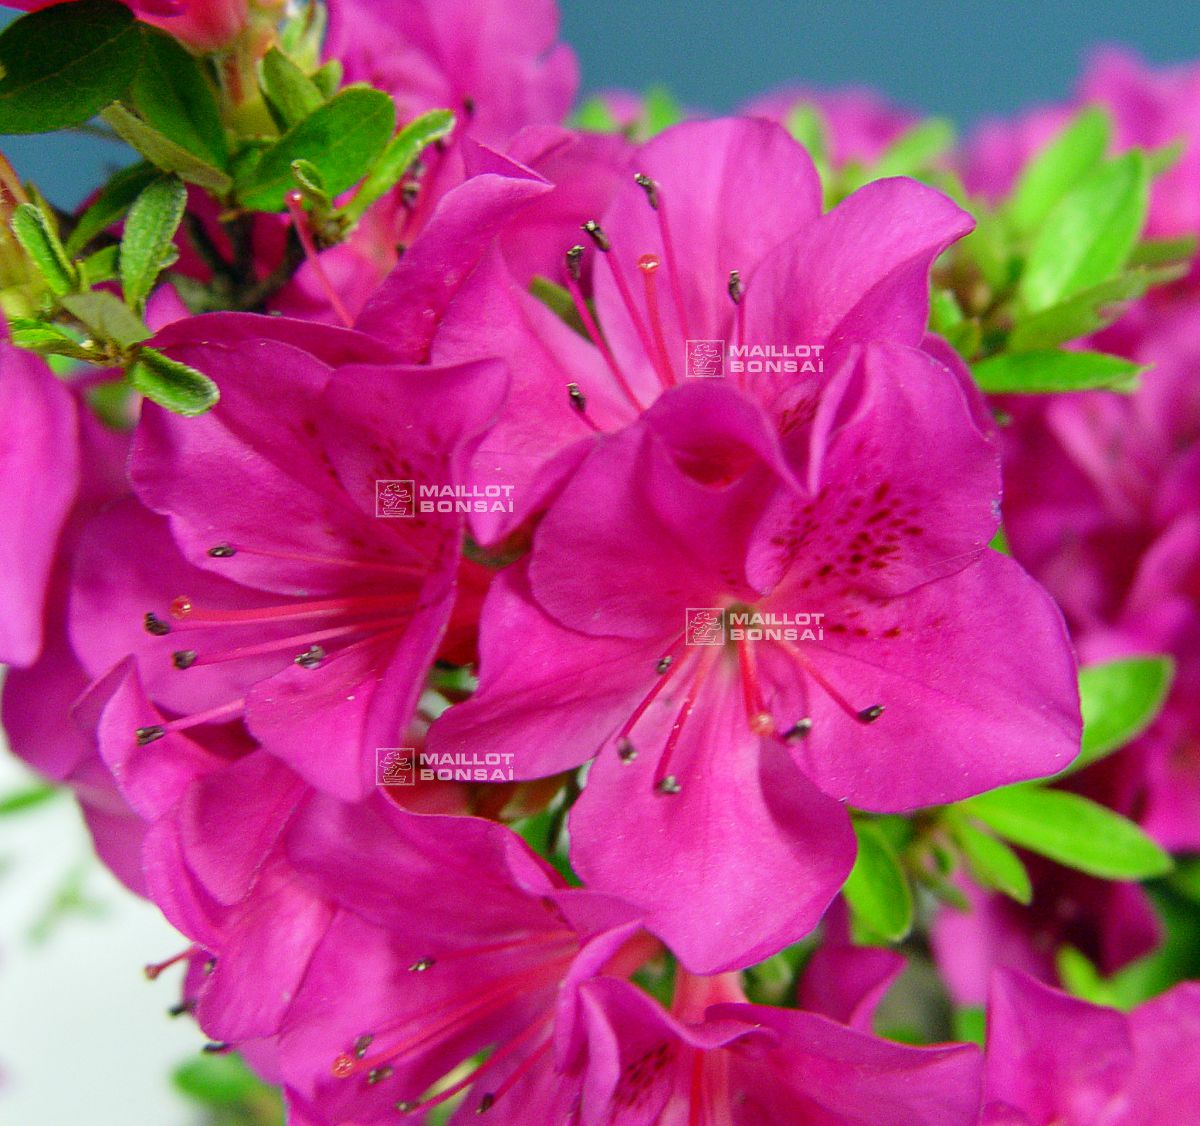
x: 577, y: 397
x: 596, y: 233
x: 362, y: 1044
x: 575, y: 262
x: 664, y: 663
x: 798, y: 730
x: 735, y: 286
x: 216, y: 1047
x: 379, y: 1074
x: 184, y: 658
x: 222, y: 551
x: 408, y: 195
x: 155, y: 625
x: 311, y: 658
x: 421, y: 965
x: 468, y: 105
x: 871, y: 714
x: 649, y: 187
x: 626, y: 751
x: 668, y: 784
x: 182, y: 1007
x: 405, y: 1107
x: 485, y: 1104
x: 210, y: 965
x: 149, y: 734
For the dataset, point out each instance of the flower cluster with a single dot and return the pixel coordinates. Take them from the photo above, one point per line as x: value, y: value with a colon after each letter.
x: 542, y: 608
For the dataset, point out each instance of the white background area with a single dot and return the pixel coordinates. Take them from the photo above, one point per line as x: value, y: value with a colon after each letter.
x: 84, y: 1037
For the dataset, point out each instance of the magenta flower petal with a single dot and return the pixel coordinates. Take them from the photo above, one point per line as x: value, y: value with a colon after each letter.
x: 39, y: 463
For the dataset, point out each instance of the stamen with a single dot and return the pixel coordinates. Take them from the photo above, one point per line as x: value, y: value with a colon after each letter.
x: 649, y: 187
x: 147, y: 735
x: 578, y: 403
x: 183, y: 609
x: 626, y: 751
x: 311, y: 658
x: 664, y: 781
x: 222, y: 551
x: 654, y: 194
x: 518, y: 1073
x: 799, y: 730
x: 593, y: 330
x: 155, y: 968
x: 861, y: 715
x: 216, y: 1047
x: 295, y: 208
x: 184, y: 658
x: 663, y: 664
x: 602, y: 243
x: 649, y: 264
x: 737, y: 294
x: 330, y: 560
x: 155, y: 625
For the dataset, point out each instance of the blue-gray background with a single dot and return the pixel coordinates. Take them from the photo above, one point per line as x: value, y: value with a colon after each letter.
x: 965, y: 60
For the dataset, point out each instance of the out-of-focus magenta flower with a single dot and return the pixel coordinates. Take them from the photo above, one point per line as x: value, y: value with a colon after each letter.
x: 1111, y: 922
x: 496, y: 63
x: 1054, y: 1058
x: 716, y: 1058
x: 206, y: 25
x: 860, y: 123
x: 725, y: 759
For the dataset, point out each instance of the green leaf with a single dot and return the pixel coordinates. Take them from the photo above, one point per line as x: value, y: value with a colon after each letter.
x: 342, y: 139
x: 328, y: 77
x: 970, y: 1024
x: 290, y: 93
x: 161, y: 151
x: 559, y: 301
x: 1088, y: 311
x: 1158, y: 252
x: 992, y: 863
x: 1070, y: 829
x: 18, y: 801
x: 172, y: 95
x: 398, y: 157
x: 1120, y: 700
x: 1088, y: 237
x: 915, y: 149
x: 99, y: 267
x: 47, y: 339
x: 1072, y: 155
x: 660, y: 110
x: 219, y: 1081
x: 37, y: 235
x: 178, y: 387
x: 1081, y: 977
x: 63, y: 64
x: 113, y: 201
x: 878, y: 891
x: 148, y: 238
x: 594, y: 116
x: 1041, y: 373
x: 807, y: 125
x: 107, y: 317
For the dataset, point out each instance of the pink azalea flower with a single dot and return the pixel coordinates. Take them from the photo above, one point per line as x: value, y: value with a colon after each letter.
x: 495, y: 63
x: 448, y: 937
x: 663, y: 262
x: 716, y: 1058
x: 205, y: 25
x: 39, y: 460
x: 304, y: 609
x: 1111, y: 922
x: 1054, y: 1058
x: 727, y: 762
